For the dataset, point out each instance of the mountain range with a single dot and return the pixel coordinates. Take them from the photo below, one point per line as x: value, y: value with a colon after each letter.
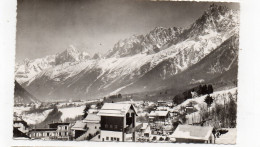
x: 205, y: 52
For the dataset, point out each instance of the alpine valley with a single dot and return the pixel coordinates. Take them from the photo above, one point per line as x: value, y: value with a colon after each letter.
x: 165, y: 58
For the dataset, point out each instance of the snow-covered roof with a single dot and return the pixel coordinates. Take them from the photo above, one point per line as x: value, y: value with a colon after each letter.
x: 94, y: 118
x: 158, y: 113
x: 79, y: 125
x: 144, y: 126
x: 192, y: 132
x: 168, y: 127
x: 115, y: 109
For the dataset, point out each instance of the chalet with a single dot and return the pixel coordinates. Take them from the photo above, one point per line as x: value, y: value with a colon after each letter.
x: 193, y: 134
x: 87, y: 128
x: 118, y: 122
x: 158, y: 116
x: 93, y: 123
x: 78, y: 129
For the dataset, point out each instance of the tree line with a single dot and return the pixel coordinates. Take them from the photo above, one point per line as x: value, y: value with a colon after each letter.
x: 199, y: 90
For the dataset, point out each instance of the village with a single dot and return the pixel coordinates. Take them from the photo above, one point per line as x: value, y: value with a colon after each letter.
x: 117, y: 119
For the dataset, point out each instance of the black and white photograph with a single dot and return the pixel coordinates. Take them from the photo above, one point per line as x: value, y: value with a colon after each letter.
x: 126, y: 71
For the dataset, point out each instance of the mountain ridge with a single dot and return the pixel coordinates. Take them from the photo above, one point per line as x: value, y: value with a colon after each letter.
x: 172, y: 52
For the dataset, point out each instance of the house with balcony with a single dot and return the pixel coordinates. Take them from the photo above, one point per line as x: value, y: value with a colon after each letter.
x: 43, y: 133
x: 55, y: 131
x: 118, y: 122
x: 62, y: 129
x: 79, y: 130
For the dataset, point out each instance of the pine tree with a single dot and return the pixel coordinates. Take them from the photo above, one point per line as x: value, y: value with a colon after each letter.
x: 85, y: 111
x: 210, y: 89
x: 208, y: 100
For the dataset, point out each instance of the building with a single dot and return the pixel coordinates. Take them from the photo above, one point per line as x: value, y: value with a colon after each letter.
x: 78, y: 130
x: 163, y: 108
x: 159, y: 116
x: 43, y: 133
x: 118, y: 122
x: 190, y: 109
x: 55, y: 131
x: 193, y: 134
x: 168, y: 129
x: 93, y: 123
x: 17, y: 134
x: 62, y: 129
x: 145, y: 130
x: 174, y: 113
x: 20, y: 124
x: 86, y: 129
x: 161, y: 103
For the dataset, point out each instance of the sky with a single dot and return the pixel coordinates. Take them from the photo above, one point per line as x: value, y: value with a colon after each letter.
x: 46, y: 27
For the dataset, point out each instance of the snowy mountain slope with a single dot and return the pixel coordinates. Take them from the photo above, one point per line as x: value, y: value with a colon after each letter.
x: 219, y: 66
x: 144, y: 62
x: 29, y: 68
x: 21, y: 96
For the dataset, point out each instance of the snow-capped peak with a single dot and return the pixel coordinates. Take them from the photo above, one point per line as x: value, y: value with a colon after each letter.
x: 71, y: 54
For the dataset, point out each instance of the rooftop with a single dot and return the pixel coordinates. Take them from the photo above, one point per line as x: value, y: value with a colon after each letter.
x: 192, y: 132
x: 79, y: 125
x: 115, y: 109
x: 55, y: 125
x: 92, y: 118
x: 158, y: 113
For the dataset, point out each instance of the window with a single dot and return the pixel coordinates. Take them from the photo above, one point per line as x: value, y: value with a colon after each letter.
x: 48, y: 134
x: 114, y: 138
x: 95, y: 127
x: 65, y: 127
x: 111, y: 138
x: 117, y: 139
x: 107, y: 138
x: 103, y: 139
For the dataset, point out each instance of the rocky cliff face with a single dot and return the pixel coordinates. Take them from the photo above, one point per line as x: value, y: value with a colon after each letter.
x: 156, y: 40
x: 142, y: 62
